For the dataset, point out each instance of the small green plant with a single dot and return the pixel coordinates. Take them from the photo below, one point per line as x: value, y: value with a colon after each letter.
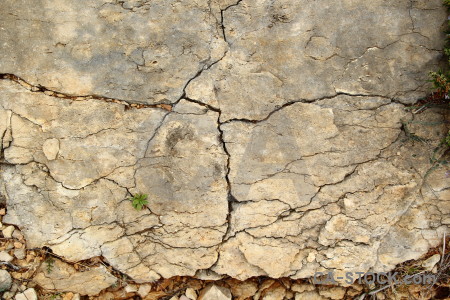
x: 441, y: 80
x: 49, y: 262
x: 55, y: 296
x: 447, y: 138
x: 413, y: 270
x: 139, y: 201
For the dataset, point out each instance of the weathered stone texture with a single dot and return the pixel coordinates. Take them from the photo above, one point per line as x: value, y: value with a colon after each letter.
x: 286, y: 51
x: 286, y: 148
x: 64, y: 278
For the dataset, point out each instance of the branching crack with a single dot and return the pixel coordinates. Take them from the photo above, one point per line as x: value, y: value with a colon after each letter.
x: 254, y: 121
x: 222, y: 11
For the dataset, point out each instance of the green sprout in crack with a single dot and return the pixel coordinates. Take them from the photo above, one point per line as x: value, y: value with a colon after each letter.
x: 55, y: 296
x: 49, y: 261
x: 139, y: 201
x: 447, y: 139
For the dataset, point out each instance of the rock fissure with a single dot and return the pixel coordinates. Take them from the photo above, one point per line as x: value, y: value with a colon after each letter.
x: 51, y: 93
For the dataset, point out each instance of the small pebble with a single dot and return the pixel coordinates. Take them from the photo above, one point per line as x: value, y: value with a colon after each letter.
x: 5, y: 281
x: 20, y: 253
x: 144, y: 289
x: 131, y: 288
x: 20, y: 296
x: 8, y: 231
x: 31, y: 294
x: 191, y: 294
x: 68, y: 296
x: 2, y: 211
x: 17, y: 235
x: 4, y: 256
x: 14, y: 288
x: 18, y: 245
x: 429, y: 263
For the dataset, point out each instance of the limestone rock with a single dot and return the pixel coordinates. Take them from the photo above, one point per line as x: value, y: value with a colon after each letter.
x: 90, y: 167
x: 131, y: 288
x: 191, y: 294
x: 20, y: 253
x: 8, y: 231
x: 309, y: 296
x: 31, y: 294
x: 17, y: 235
x: 4, y: 256
x: 64, y: 278
x: 28, y: 294
x: 275, y: 140
x: 277, y: 293
x: 243, y: 290
x: 68, y: 296
x: 335, y: 293
x: 214, y: 292
x: 111, y: 49
x: 290, y: 50
x: 429, y: 263
x: 208, y: 275
x: 302, y: 287
x: 144, y: 289
x: 5, y: 281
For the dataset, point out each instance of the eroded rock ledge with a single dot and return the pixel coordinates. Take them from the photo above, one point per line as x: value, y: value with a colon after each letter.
x: 272, y: 140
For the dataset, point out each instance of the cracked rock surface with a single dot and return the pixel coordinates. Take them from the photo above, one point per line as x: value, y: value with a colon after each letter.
x: 64, y: 278
x: 283, y: 146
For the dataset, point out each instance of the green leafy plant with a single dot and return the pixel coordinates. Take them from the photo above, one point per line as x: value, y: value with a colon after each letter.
x: 49, y: 262
x: 441, y: 81
x: 139, y: 201
x: 55, y: 296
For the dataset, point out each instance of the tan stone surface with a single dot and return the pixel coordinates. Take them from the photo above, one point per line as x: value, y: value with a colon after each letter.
x: 64, y: 278
x: 286, y: 148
